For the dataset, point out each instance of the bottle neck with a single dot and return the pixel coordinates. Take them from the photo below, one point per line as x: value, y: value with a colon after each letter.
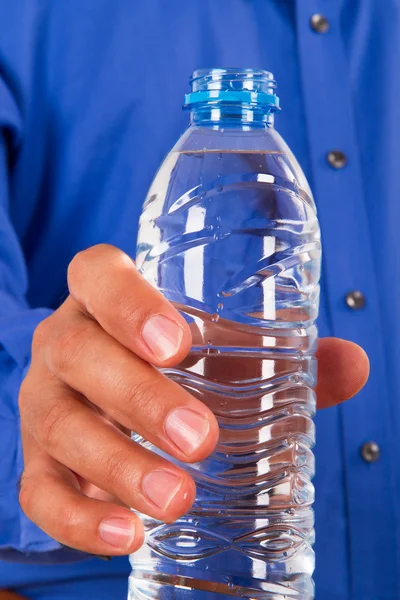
x: 231, y: 115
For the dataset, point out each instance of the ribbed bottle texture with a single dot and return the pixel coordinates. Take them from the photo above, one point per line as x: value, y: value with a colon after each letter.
x: 229, y: 234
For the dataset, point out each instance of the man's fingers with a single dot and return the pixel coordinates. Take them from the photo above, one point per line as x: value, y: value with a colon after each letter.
x: 51, y: 498
x: 107, y: 284
x: 128, y: 389
x: 85, y: 442
x: 343, y: 369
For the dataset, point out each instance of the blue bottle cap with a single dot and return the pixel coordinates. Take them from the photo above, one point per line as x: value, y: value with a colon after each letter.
x: 236, y: 86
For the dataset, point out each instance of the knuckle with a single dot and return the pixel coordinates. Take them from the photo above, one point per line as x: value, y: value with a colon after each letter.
x: 67, y: 344
x: 32, y: 502
x: 54, y: 424
x: 117, y: 469
x: 141, y: 395
x: 28, y: 488
x: 32, y: 393
x: 24, y: 394
x: 79, y: 263
x: 129, y: 312
x: 82, y: 261
x: 42, y: 333
x: 126, y: 306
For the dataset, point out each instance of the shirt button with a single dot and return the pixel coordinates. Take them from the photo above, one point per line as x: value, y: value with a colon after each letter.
x: 319, y: 23
x: 370, y: 452
x: 336, y: 159
x: 355, y: 300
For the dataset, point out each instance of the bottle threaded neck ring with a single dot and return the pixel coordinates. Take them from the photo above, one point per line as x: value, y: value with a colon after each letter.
x: 253, y: 87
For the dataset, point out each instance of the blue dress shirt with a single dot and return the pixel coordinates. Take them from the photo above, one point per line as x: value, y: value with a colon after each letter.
x: 90, y: 97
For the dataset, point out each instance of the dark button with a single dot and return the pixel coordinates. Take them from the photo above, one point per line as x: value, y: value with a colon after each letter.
x: 355, y: 300
x: 337, y: 159
x: 319, y: 23
x: 370, y: 452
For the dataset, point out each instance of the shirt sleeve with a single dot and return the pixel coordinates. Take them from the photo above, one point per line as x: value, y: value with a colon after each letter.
x: 17, y: 323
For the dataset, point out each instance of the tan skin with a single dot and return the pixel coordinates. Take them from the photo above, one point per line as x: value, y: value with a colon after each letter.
x: 91, y: 378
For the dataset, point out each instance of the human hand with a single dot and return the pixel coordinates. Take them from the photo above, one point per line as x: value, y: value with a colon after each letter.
x: 92, y: 368
x: 92, y: 374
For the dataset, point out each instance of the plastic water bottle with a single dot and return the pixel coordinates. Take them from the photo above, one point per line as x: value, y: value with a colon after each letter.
x: 229, y: 234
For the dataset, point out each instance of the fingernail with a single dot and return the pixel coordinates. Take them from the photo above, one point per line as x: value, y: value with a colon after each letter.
x: 117, y: 532
x: 162, y: 336
x: 186, y: 429
x: 161, y: 487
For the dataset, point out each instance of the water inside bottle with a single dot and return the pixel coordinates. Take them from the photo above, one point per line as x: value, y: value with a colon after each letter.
x: 233, y: 241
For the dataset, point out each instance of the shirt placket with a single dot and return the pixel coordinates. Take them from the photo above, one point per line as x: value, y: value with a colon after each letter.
x: 352, y: 298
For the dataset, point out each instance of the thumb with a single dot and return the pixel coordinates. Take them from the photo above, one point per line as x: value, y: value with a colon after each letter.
x: 343, y: 369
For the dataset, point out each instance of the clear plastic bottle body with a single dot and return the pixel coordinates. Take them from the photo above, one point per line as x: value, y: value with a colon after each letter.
x: 229, y: 234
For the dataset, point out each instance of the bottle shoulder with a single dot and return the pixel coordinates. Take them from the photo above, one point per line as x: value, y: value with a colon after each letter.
x: 265, y: 142
x: 229, y: 138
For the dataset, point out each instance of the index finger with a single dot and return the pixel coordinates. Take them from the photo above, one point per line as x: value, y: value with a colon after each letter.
x: 105, y: 281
